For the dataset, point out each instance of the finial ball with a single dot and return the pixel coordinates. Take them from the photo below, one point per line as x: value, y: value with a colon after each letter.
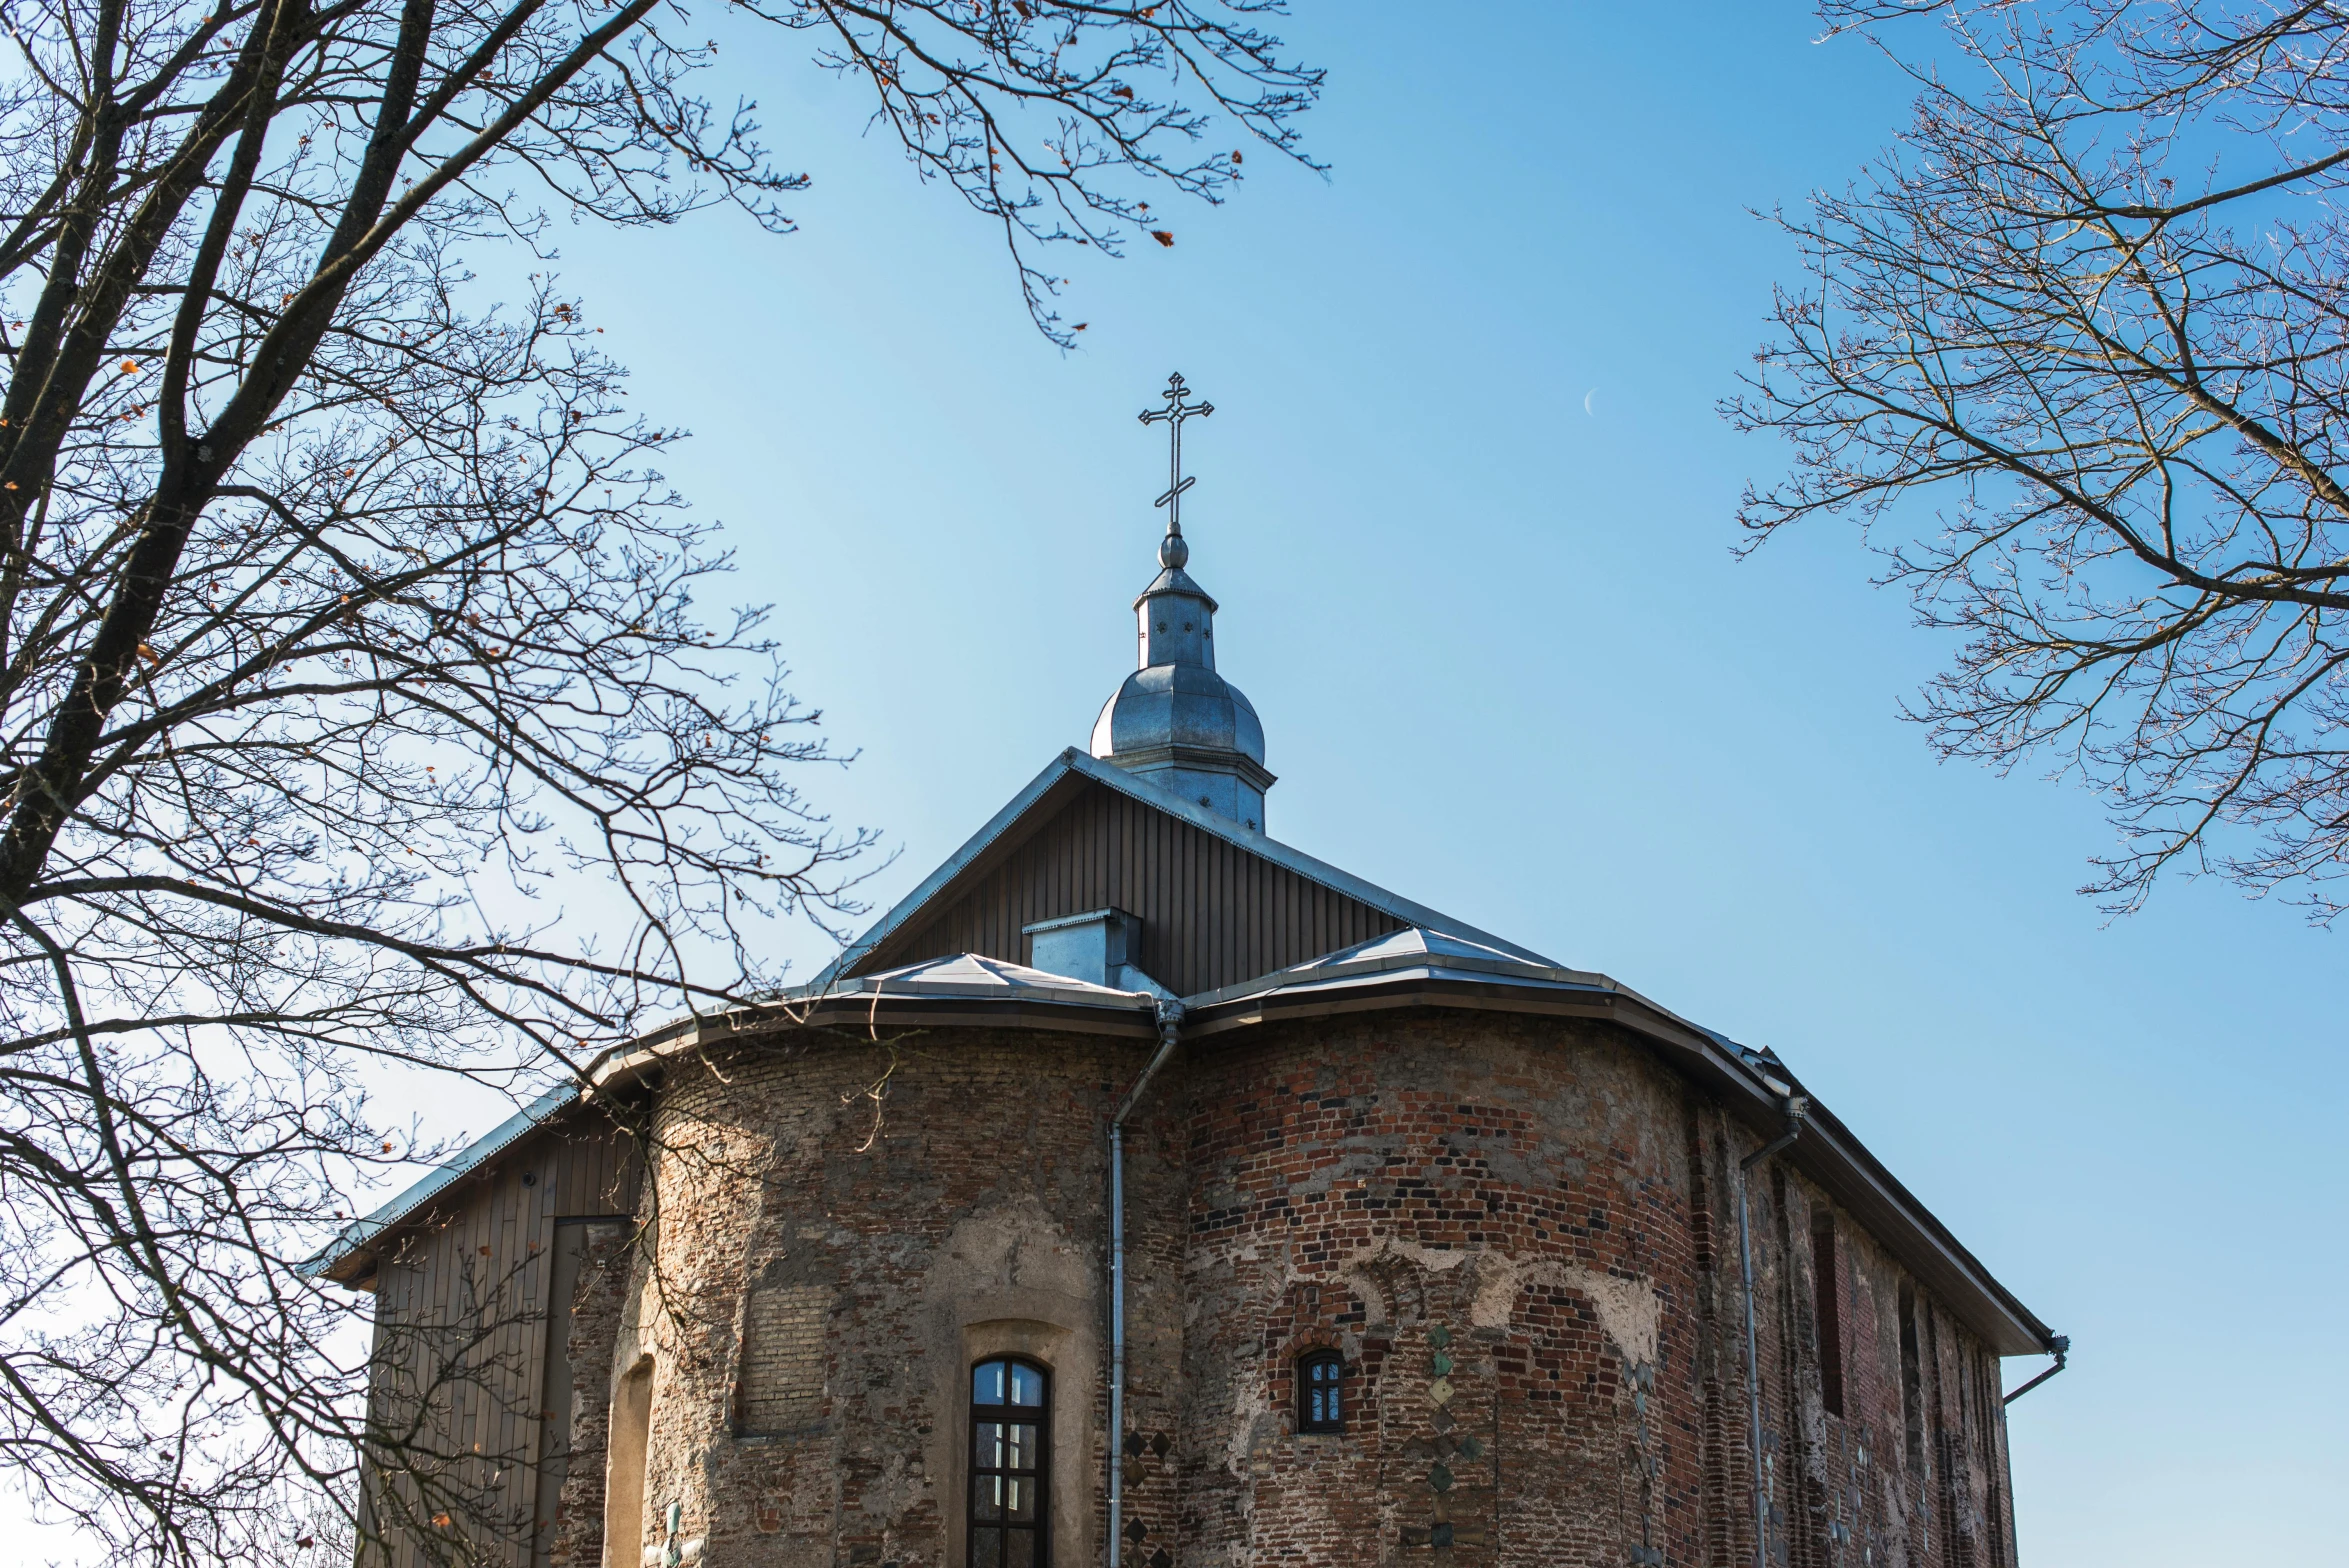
x: 1173, y: 552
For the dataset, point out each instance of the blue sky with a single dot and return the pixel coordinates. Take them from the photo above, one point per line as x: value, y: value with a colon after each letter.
x: 1507, y: 666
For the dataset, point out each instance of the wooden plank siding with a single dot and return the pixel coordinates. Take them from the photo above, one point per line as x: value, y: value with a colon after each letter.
x: 1213, y: 914
x: 461, y: 1318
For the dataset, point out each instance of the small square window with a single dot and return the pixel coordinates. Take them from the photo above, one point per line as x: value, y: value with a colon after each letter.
x: 1321, y: 1397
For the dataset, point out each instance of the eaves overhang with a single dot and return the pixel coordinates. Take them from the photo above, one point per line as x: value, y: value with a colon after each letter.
x: 966, y: 990
x: 349, y: 1258
x: 1415, y: 968
x: 357, y: 1239
x: 1423, y: 970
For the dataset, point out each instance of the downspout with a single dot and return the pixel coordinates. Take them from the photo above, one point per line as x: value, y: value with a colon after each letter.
x: 1170, y: 1020
x: 1796, y: 1106
x: 2058, y: 1346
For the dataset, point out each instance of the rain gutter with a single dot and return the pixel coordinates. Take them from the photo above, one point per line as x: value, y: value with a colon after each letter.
x: 2059, y: 1346
x: 1170, y: 1022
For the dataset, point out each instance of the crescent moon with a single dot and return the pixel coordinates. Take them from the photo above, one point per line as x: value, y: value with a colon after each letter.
x: 1588, y: 399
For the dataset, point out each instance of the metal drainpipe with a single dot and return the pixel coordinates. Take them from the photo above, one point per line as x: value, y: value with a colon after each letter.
x: 1795, y: 1107
x: 1170, y: 1019
x: 2058, y: 1346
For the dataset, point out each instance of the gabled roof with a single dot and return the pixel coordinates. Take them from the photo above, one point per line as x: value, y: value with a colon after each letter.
x: 1433, y: 961
x: 1070, y: 772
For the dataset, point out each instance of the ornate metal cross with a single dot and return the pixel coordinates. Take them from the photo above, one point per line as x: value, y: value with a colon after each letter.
x: 1175, y: 412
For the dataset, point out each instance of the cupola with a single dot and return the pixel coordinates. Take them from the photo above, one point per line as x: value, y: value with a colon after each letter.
x: 1175, y: 721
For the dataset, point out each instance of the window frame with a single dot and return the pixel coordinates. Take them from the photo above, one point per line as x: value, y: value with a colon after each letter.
x: 1040, y: 1528
x: 1307, y: 1424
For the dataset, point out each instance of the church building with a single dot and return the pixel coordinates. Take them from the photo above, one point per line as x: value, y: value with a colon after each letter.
x: 1142, y: 1192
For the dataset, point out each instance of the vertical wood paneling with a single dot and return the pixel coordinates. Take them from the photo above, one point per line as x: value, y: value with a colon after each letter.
x: 462, y: 1312
x: 1212, y: 913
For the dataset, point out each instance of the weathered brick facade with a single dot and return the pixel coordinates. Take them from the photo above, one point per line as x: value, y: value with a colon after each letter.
x: 1506, y: 1194
x: 1520, y: 1233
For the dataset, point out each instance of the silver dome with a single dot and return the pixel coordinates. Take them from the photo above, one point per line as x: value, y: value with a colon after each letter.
x: 1178, y: 705
x: 1174, y: 720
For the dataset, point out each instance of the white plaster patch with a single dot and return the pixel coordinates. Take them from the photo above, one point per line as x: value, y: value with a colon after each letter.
x: 1628, y: 1309
x: 1356, y: 1270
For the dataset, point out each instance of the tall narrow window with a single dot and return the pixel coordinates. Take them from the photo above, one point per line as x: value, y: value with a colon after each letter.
x: 1830, y: 1310
x: 1011, y: 1433
x: 1321, y: 1398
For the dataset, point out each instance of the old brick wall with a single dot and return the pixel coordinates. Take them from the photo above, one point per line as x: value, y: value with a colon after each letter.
x: 916, y: 1204
x: 780, y: 1386
x: 575, y: 1534
x: 1521, y: 1235
x: 1913, y: 1472
x: 1490, y: 1218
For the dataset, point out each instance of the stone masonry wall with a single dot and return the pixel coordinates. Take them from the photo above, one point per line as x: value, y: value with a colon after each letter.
x: 1520, y: 1234
x: 915, y: 1206
x: 1488, y: 1218
x: 1522, y: 1237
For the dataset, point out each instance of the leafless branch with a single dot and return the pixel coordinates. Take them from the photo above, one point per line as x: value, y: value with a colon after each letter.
x: 2095, y: 303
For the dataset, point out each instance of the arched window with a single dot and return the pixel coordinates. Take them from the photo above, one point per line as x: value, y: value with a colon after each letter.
x: 1321, y: 1400
x: 1011, y: 1435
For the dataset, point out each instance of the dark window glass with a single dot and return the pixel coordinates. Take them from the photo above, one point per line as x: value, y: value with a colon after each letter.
x: 1011, y: 1424
x: 1321, y: 1406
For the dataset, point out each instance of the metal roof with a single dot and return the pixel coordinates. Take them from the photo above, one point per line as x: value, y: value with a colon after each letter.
x: 445, y: 1175
x: 1073, y: 768
x: 1413, y: 951
x: 1434, y: 961
x: 974, y: 977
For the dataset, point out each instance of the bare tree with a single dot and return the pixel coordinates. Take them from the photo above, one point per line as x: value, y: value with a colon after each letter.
x: 2094, y: 304
x: 349, y: 636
